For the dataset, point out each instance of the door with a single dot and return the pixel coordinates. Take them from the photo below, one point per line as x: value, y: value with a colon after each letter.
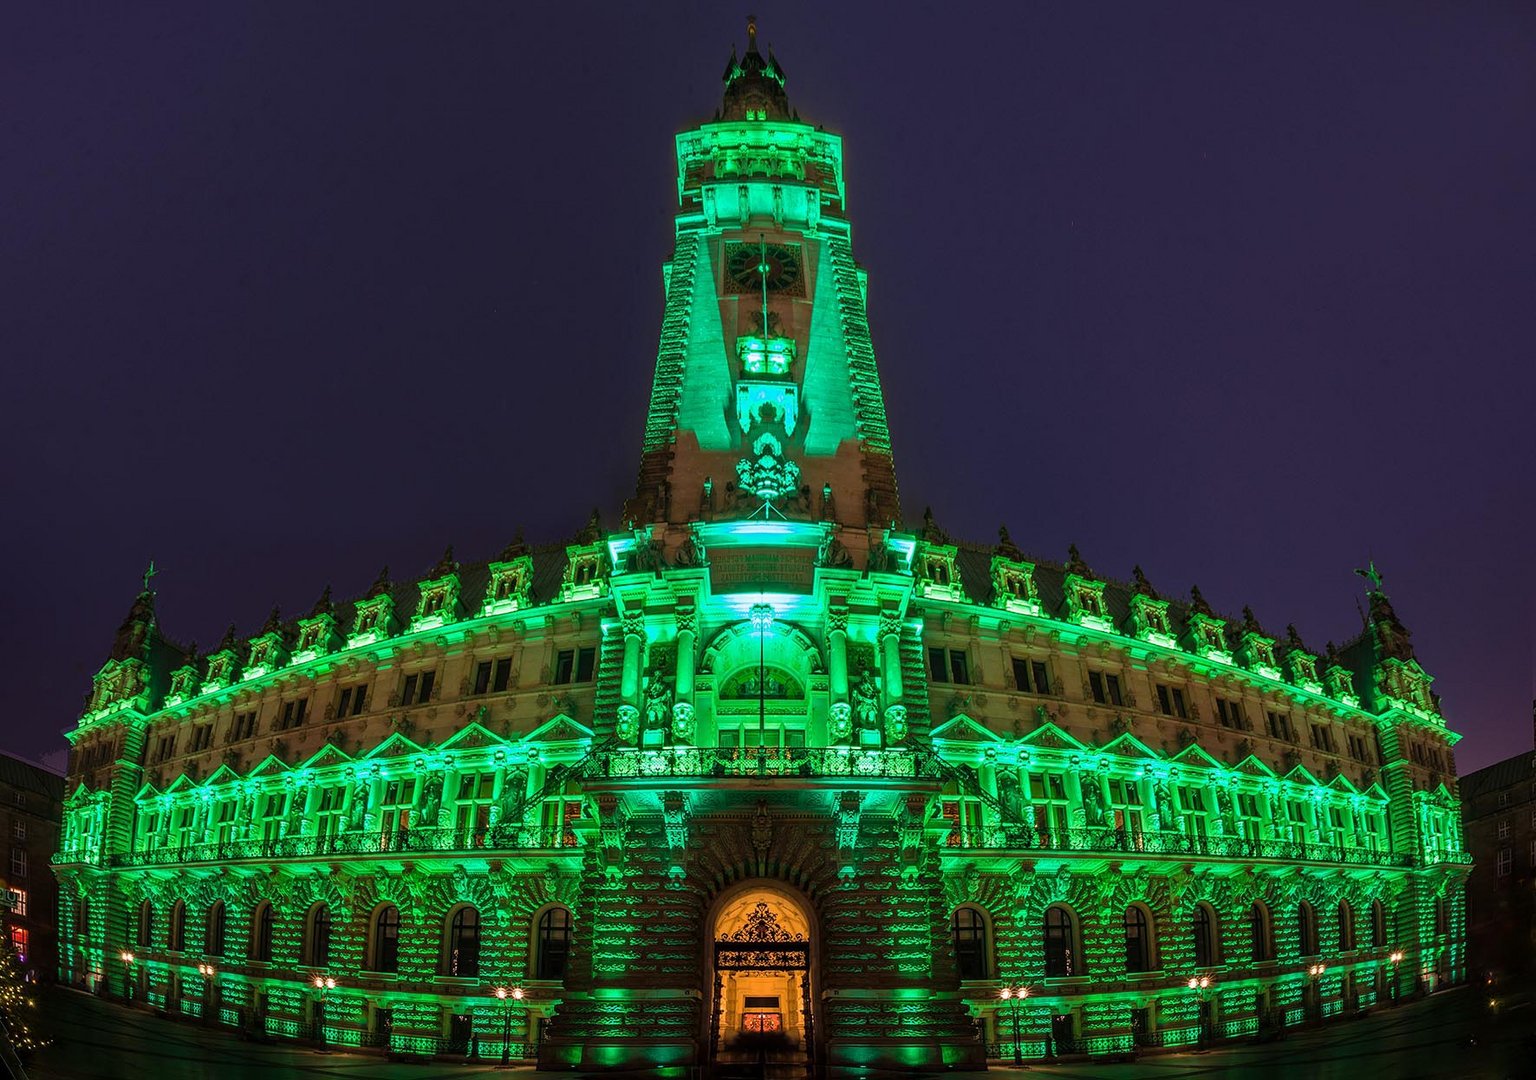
x: 460, y: 1031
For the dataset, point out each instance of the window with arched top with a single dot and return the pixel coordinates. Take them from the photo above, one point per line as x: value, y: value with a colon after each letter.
x: 176, y: 938
x: 261, y: 934
x: 213, y: 942
x: 1346, y: 926
x: 1138, y: 939
x: 1306, y: 929
x: 1207, y: 942
x: 386, y: 940
x: 463, y: 952
x: 552, y: 944
x: 1061, y: 956
x: 1378, y: 924
x: 1262, y: 939
x: 146, y: 925
x: 317, y: 940
x: 968, y: 931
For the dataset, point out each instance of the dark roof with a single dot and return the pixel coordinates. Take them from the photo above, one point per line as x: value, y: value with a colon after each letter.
x: 1499, y: 775
x: 17, y: 774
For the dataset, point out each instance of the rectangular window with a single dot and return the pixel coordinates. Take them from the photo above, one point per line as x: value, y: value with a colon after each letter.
x: 482, y: 678
x: 18, y: 829
x: 472, y: 815
x: 395, y: 811
x: 1533, y: 854
x: 20, y: 940
x: 224, y: 821
x: 328, y: 813
x: 1230, y: 714
x: 729, y: 739
x: 557, y: 820
x: 165, y: 748
x: 1322, y: 738
x: 352, y: 701
x: 1048, y: 800
x: 1296, y: 815
x: 202, y: 737
x: 293, y: 714
x: 1280, y: 727
x: 18, y: 862
x: 244, y: 726
x: 938, y: 665
x: 1021, y: 674
x: 1170, y: 700
x: 1250, y: 822
x: 18, y: 898
x: 1503, y: 799
x: 1105, y: 688
x: 1041, y: 676
x: 948, y: 666
x: 1506, y: 861
x: 1504, y: 829
x: 272, y: 815
x: 1125, y: 806
x: 502, y: 675
x: 575, y: 665
x: 963, y: 816
x: 1196, y: 815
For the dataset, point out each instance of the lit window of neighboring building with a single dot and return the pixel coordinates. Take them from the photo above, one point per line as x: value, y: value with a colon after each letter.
x: 20, y: 939
x: 18, y: 899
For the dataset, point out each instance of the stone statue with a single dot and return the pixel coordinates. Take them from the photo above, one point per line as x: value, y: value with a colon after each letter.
x: 359, y: 805
x: 658, y: 703
x: 1093, y: 801
x: 866, y: 703
x: 432, y: 800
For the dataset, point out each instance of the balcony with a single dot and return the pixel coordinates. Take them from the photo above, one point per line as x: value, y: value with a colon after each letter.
x: 490, y: 842
x: 839, y: 763
x: 1023, y: 838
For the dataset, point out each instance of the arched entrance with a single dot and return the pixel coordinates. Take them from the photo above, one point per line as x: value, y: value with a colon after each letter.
x: 762, y: 970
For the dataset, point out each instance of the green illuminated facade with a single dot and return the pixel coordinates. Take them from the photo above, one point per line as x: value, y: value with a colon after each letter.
x: 764, y: 766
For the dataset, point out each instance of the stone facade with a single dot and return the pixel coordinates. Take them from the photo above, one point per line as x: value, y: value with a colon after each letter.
x: 1499, y: 810
x: 526, y: 803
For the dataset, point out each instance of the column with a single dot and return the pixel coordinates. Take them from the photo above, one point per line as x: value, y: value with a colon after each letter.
x: 634, y: 637
x: 890, y: 646
x: 837, y: 652
x: 687, y: 622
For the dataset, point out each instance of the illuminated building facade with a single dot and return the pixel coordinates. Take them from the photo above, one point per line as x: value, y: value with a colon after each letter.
x: 763, y: 769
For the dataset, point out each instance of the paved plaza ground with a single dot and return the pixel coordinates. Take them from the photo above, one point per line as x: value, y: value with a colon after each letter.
x: 1455, y: 1034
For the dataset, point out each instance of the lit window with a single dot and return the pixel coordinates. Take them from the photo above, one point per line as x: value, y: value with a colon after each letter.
x: 18, y: 899
x: 20, y: 940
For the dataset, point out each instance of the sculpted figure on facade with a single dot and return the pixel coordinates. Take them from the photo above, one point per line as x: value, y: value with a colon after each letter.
x: 658, y: 702
x: 866, y: 703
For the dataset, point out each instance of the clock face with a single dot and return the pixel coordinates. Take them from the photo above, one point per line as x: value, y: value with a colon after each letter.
x: 748, y: 265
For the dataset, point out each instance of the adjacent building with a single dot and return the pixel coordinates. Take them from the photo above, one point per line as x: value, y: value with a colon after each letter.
x: 31, y: 801
x: 1499, y: 811
x: 765, y: 768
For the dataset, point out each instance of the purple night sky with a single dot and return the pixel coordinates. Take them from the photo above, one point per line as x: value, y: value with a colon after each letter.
x: 1240, y: 294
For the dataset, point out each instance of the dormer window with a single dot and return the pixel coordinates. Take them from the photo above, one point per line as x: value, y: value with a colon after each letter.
x: 1088, y: 600
x: 1157, y: 619
x: 938, y: 572
x: 585, y: 573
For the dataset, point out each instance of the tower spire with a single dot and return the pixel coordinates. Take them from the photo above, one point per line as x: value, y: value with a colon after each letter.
x: 751, y: 33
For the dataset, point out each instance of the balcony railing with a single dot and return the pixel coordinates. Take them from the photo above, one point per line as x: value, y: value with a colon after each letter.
x: 755, y: 762
x: 1106, y: 841
x: 401, y: 841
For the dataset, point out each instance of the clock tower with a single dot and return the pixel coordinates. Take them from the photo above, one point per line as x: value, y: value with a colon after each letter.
x: 766, y: 401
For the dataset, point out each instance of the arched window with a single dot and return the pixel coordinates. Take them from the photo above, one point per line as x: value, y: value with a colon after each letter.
x: 261, y: 934
x: 386, y: 939
x: 1207, y: 947
x: 318, y: 952
x: 1138, y: 940
x: 1060, y: 943
x: 146, y: 925
x: 464, y: 943
x: 1378, y: 924
x: 1263, y: 946
x: 1346, y: 926
x: 553, y: 945
x: 176, y: 940
x: 213, y: 945
x: 1306, y: 929
x: 969, y: 931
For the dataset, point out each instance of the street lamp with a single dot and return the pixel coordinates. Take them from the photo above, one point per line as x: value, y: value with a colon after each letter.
x: 1315, y: 973
x: 1015, y: 997
x: 506, y: 997
x: 1201, y: 985
x: 1395, y: 958
x: 323, y: 985
x: 127, y: 958
x: 207, y: 971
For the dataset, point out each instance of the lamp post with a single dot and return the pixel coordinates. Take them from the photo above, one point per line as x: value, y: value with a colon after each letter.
x: 1315, y: 973
x: 208, y: 972
x: 1015, y: 997
x: 1201, y: 985
x: 506, y: 997
x: 323, y: 985
x: 1394, y: 959
x: 127, y: 958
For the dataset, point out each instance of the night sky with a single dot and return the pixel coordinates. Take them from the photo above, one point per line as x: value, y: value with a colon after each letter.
x: 1240, y: 293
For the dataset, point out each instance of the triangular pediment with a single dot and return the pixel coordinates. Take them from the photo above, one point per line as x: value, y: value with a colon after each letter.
x: 963, y: 729
x: 1375, y: 791
x: 1300, y: 775
x: 1049, y: 736
x: 145, y: 793
x: 271, y: 765
x: 1343, y: 783
x: 397, y: 745
x: 471, y: 736
x: 558, y: 728
x: 222, y: 775
x: 1128, y: 745
x: 328, y: 755
x: 181, y: 783
x: 80, y: 796
x: 1198, y: 756
x: 1252, y: 766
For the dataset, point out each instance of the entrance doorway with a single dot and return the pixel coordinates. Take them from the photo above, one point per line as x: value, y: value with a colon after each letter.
x: 762, y: 981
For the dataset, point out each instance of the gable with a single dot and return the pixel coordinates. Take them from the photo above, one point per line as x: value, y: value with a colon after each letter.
x: 963, y: 729
x: 558, y: 728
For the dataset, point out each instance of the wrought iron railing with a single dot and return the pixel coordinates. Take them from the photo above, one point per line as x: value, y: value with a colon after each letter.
x: 834, y: 762
x: 1028, y: 838
x: 496, y: 838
